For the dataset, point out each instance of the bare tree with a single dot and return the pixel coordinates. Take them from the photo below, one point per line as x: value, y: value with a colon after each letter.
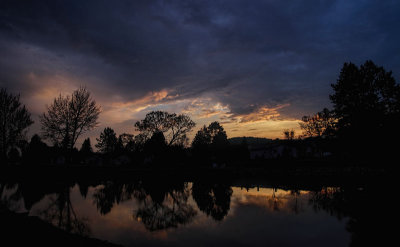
x: 69, y: 117
x: 14, y: 119
x: 321, y: 124
x: 289, y: 134
x: 180, y: 126
x: 174, y: 127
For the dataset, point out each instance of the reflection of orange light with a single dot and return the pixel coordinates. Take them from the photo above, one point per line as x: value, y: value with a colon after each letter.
x: 267, y: 198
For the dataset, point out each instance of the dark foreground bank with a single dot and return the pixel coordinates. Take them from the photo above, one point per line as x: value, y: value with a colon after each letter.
x: 19, y: 229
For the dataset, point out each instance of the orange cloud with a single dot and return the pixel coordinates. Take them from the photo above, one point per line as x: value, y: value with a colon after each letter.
x: 46, y: 88
x: 149, y: 99
x: 119, y: 111
x: 263, y: 113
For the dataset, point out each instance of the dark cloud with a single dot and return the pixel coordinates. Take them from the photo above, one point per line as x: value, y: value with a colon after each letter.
x: 244, y: 54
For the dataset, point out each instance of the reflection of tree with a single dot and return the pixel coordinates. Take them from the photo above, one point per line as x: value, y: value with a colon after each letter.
x: 295, y: 207
x: 109, y: 194
x: 160, y: 207
x: 274, y: 202
x: 84, y: 189
x: 280, y: 200
x: 60, y: 212
x: 330, y: 199
x: 212, y: 199
x: 8, y: 201
x: 174, y: 210
x: 115, y: 192
x: 30, y: 192
x: 370, y: 220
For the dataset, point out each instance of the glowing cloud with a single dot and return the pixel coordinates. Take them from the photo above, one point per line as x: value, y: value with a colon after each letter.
x: 263, y: 113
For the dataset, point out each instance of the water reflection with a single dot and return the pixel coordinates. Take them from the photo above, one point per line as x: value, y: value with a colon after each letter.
x: 171, y: 211
x: 158, y: 207
x: 213, y: 199
x: 169, y: 208
x: 369, y: 209
x: 60, y: 212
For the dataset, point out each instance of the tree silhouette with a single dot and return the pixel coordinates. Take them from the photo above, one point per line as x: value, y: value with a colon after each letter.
x: 156, y: 146
x: 288, y: 134
x: 69, y: 117
x: 157, y: 141
x: 211, y: 144
x: 218, y: 135
x: 107, y: 143
x: 366, y: 103
x: 140, y: 141
x: 14, y: 120
x: 202, y: 138
x: 213, y: 135
x: 37, y: 151
x: 126, y: 142
x: 175, y: 127
x: 321, y: 124
x: 86, y: 147
x: 365, y: 93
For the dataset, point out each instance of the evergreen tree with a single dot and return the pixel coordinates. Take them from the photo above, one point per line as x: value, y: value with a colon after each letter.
x: 107, y: 143
x: 86, y: 147
x: 14, y: 120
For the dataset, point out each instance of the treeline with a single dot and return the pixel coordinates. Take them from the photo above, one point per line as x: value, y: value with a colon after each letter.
x: 162, y: 136
x: 361, y: 126
x: 363, y: 122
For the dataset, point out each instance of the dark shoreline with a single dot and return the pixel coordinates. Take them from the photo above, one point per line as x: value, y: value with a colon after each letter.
x: 305, y: 175
x: 21, y: 230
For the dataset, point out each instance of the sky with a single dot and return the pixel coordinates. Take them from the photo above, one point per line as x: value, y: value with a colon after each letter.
x: 255, y: 66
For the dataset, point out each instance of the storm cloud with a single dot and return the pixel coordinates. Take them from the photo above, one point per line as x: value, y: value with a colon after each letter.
x: 248, y: 57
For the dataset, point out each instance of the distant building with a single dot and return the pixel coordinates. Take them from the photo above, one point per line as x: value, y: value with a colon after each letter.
x: 92, y: 160
x: 60, y: 160
x: 272, y: 151
x: 122, y: 160
x: 283, y: 149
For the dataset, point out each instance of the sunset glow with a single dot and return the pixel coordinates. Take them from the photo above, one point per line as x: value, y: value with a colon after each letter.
x: 225, y: 66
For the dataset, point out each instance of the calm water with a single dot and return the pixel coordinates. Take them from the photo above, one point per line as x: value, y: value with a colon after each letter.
x: 200, y: 213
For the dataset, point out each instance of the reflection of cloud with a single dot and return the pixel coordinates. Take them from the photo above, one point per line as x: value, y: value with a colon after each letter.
x: 271, y: 199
